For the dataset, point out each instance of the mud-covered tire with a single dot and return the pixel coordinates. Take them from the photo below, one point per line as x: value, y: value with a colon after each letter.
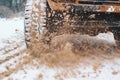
x: 35, y: 20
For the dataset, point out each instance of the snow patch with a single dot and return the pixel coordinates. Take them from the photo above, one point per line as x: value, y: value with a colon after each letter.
x: 9, y: 27
x: 109, y: 37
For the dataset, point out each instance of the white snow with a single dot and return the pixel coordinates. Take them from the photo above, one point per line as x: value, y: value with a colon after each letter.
x: 12, y: 31
x: 11, y: 63
x: 31, y: 72
x: 107, y: 36
x: 9, y: 27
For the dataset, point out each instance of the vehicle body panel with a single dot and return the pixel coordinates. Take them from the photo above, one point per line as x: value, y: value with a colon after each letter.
x: 110, y: 6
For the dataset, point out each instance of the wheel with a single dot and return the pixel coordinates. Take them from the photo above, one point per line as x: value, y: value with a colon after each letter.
x: 35, y: 20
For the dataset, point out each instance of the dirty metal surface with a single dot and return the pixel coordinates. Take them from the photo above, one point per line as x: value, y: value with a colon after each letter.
x: 109, y: 6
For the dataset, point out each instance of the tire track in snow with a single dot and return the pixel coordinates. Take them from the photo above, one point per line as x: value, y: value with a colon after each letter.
x: 10, y: 54
x: 7, y: 49
x: 9, y: 57
x: 10, y: 46
x: 12, y: 60
x: 11, y: 63
x: 29, y: 71
x: 20, y: 60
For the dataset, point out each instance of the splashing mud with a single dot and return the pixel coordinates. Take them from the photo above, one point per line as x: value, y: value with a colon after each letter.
x: 71, y: 49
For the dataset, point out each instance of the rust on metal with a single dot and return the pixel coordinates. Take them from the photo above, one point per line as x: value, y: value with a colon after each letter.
x: 86, y: 5
x: 56, y: 5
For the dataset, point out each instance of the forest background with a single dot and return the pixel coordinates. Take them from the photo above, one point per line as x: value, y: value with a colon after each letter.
x: 11, y: 8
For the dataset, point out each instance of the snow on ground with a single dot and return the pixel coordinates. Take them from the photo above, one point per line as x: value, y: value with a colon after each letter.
x: 107, y: 71
x: 15, y: 64
x: 9, y: 27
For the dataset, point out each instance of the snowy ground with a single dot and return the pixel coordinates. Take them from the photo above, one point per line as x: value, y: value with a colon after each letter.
x: 16, y: 64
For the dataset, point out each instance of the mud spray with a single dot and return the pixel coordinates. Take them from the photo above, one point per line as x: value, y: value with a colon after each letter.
x: 71, y: 49
x: 67, y: 48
